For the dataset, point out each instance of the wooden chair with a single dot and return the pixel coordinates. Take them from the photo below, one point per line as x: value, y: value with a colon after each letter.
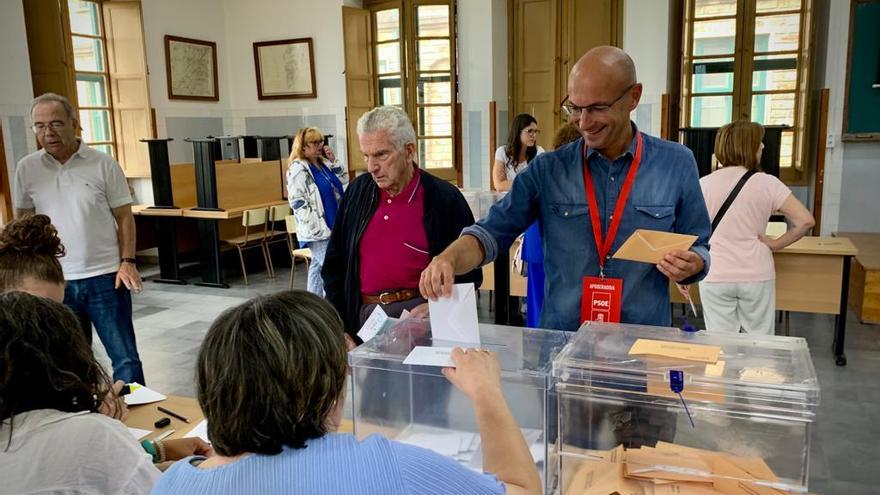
x: 252, y: 238
x: 295, y: 252
x: 277, y: 214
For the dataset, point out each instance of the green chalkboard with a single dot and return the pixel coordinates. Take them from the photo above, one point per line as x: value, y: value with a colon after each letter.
x: 862, y: 115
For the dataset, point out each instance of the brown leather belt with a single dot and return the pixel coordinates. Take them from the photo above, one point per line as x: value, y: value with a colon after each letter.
x: 390, y: 296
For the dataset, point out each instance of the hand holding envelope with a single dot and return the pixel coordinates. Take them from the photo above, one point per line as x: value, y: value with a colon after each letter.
x: 649, y: 246
x: 667, y: 250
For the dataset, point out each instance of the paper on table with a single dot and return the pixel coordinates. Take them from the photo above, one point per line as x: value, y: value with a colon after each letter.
x: 454, y: 319
x: 430, y: 356
x: 677, y: 350
x: 138, y: 433
x: 373, y: 324
x: 143, y: 395
x: 649, y: 246
x: 200, y: 430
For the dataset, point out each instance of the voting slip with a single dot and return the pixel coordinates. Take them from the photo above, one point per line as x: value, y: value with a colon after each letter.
x: 454, y: 319
x: 430, y: 356
x: 142, y: 395
x: 649, y: 246
x: 374, y: 323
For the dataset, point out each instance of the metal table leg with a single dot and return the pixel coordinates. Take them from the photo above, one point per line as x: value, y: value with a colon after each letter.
x: 840, y: 324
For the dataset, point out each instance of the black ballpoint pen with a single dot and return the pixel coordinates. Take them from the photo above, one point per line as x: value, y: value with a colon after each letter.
x: 173, y: 414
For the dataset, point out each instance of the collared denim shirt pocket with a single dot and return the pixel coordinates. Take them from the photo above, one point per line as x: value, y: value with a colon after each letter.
x: 655, y: 217
x: 567, y: 227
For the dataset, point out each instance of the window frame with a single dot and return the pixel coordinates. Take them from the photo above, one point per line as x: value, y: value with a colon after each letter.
x: 102, y: 37
x: 744, y: 57
x: 409, y: 73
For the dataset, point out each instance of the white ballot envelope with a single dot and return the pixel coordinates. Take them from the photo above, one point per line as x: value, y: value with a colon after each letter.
x: 454, y: 319
x: 430, y: 356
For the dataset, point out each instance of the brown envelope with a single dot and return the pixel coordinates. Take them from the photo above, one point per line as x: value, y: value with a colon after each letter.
x: 649, y: 246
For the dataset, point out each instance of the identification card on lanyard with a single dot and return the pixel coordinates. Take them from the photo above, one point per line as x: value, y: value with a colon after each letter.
x: 602, y: 297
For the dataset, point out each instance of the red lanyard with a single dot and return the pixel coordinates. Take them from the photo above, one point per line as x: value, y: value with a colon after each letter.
x: 603, y: 245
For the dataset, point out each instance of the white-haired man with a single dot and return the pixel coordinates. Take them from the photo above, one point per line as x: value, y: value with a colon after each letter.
x: 390, y: 224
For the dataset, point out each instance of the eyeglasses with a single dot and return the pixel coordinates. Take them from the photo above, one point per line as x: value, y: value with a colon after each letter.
x: 573, y: 111
x: 318, y: 142
x: 532, y: 132
x: 55, y: 125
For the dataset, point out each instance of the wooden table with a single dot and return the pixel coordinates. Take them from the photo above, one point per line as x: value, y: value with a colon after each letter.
x: 209, y: 238
x: 812, y: 276
x: 145, y: 415
x: 864, y: 283
x: 165, y: 221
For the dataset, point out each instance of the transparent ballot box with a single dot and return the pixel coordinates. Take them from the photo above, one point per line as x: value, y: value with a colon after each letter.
x: 416, y: 404
x: 650, y: 410
x: 481, y: 201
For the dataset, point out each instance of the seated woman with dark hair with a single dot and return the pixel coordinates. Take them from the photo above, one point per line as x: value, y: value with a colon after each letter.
x: 52, y: 437
x: 51, y: 387
x: 271, y: 381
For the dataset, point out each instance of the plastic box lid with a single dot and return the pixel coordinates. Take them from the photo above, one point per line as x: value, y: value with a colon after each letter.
x: 525, y: 354
x: 762, y: 375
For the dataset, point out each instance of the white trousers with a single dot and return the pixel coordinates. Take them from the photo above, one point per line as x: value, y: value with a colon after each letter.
x: 729, y: 307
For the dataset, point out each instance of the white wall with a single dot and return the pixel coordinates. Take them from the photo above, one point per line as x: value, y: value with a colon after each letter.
x: 16, y: 90
x: 835, y: 79
x: 482, y: 62
x: 249, y: 22
x: 235, y: 26
x: 198, y: 19
x: 645, y: 38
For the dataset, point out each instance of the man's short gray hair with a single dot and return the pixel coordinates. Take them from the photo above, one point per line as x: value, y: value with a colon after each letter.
x: 50, y: 97
x: 391, y: 119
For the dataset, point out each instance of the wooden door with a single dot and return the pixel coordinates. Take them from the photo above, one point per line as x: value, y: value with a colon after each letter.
x: 534, y: 73
x: 126, y: 57
x: 357, y: 33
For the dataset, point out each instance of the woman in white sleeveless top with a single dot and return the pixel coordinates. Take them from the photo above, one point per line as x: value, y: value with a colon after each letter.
x: 521, y: 148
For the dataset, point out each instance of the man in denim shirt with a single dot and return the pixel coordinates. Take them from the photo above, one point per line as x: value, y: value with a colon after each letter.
x: 603, y: 91
x: 665, y: 196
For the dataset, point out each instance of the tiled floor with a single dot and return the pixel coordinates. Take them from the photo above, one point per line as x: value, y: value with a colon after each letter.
x: 171, y: 321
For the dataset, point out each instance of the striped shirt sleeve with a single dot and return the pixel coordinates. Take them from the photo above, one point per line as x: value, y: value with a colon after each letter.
x: 426, y: 472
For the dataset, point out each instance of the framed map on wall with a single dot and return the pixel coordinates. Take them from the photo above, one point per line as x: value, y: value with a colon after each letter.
x: 191, y: 69
x: 285, y: 69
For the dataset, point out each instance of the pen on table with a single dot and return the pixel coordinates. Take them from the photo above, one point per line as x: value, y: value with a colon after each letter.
x: 173, y: 414
x: 164, y: 435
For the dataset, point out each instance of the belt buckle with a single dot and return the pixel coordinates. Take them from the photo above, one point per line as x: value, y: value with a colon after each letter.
x: 382, y: 297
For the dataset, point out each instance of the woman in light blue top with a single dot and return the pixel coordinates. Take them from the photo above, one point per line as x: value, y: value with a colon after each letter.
x: 271, y: 382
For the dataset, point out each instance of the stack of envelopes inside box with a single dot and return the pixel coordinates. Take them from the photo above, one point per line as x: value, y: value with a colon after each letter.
x: 670, y: 469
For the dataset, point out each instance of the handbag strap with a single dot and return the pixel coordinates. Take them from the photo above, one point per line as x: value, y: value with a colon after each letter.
x: 730, y: 198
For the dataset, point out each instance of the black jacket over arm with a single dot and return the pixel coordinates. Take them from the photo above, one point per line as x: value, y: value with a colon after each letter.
x: 446, y: 214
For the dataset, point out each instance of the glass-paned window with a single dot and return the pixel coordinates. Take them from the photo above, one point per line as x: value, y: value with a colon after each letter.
x: 754, y: 74
x: 90, y: 65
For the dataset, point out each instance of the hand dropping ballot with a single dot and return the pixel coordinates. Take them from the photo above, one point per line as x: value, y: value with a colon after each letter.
x: 453, y: 323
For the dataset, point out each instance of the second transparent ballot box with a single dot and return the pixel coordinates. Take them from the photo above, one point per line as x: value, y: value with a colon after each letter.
x: 648, y: 410
x: 416, y: 404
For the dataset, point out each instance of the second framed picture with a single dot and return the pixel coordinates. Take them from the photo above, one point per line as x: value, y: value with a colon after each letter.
x: 285, y: 69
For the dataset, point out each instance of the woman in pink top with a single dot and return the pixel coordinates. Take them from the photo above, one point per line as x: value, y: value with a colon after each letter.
x: 740, y: 290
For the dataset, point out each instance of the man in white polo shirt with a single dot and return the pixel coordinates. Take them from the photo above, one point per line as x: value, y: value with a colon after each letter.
x: 85, y: 194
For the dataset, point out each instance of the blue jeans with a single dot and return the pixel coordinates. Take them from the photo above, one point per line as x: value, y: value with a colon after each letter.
x: 94, y: 300
x: 315, y: 283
